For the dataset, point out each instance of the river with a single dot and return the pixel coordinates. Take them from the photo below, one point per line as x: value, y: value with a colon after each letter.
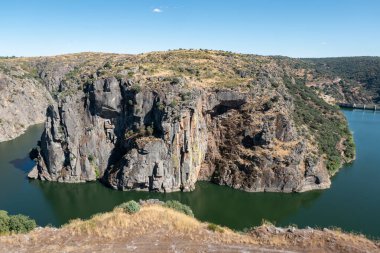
x: 352, y: 203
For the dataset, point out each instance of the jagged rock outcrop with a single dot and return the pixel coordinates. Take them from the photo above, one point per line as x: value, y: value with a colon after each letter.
x: 149, y: 140
x: 162, y: 121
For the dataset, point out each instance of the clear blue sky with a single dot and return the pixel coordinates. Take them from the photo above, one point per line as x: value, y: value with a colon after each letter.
x: 297, y: 28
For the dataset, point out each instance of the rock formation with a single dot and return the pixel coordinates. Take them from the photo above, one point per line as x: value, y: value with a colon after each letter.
x: 162, y: 121
x: 23, y: 102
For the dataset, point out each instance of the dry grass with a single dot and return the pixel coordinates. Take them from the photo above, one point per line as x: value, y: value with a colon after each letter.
x: 201, y: 68
x: 145, y: 220
x: 158, y: 229
x: 313, y: 240
x: 118, y: 224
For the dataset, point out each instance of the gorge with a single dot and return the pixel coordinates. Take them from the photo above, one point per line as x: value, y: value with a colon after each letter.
x: 162, y: 121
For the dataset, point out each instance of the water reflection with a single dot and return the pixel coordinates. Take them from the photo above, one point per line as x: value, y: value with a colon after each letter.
x: 352, y: 203
x: 209, y: 202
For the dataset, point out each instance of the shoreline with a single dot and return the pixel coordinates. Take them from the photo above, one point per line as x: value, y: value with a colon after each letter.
x: 23, y: 131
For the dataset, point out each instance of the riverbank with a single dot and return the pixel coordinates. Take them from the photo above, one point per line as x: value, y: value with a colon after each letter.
x: 158, y: 229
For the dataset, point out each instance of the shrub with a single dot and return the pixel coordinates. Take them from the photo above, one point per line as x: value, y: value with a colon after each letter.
x: 130, y: 207
x: 21, y: 223
x: 215, y: 228
x: 149, y: 130
x: 178, y: 206
x: 128, y: 134
x: 136, y: 88
x: 97, y: 172
x: 186, y: 96
x: 175, y: 81
x: 161, y: 106
x: 324, y: 121
x: 265, y: 222
x: 91, y: 158
x: 174, y: 103
x: 4, y: 222
x: 107, y: 65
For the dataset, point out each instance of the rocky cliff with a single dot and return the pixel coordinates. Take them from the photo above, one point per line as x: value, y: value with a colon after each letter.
x: 23, y: 100
x: 162, y: 121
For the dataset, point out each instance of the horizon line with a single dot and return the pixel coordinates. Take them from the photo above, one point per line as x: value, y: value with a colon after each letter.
x: 181, y: 49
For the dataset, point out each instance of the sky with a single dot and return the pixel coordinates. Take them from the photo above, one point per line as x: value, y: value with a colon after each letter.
x: 295, y: 28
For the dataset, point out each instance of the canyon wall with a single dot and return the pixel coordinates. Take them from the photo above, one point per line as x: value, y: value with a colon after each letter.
x: 162, y: 121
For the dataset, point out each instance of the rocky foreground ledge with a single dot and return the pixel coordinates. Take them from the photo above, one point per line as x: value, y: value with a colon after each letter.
x: 155, y: 228
x: 162, y: 121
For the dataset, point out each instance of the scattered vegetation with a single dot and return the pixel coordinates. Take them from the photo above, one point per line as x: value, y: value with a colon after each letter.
x: 178, y: 206
x: 364, y: 70
x: 324, y: 121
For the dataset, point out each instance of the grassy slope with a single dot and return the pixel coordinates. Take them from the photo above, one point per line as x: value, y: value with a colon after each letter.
x: 158, y: 229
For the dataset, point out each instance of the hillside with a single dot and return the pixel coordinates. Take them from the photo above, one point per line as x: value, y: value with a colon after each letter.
x: 345, y: 79
x: 163, y: 120
x: 158, y: 229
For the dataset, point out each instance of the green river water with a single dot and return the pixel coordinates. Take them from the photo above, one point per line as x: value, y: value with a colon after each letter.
x: 352, y: 203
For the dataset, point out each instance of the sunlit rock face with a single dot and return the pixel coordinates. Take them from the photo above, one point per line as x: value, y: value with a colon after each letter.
x: 163, y: 121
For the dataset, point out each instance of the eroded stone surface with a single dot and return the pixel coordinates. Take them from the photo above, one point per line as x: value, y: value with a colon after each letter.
x: 162, y: 121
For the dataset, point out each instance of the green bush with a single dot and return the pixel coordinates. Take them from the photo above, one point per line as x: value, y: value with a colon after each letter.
x: 107, y: 65
x: 325, y: 122
x: 15, y: 223
x: 136, y: 88
x: 173, y: 103
x: 21, y: 223
x: 130, y: 207
x: 178, y: 206
x: 4, y: 222
x: 91, y: 157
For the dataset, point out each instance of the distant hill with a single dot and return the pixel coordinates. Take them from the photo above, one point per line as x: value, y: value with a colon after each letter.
x: 359, y: 75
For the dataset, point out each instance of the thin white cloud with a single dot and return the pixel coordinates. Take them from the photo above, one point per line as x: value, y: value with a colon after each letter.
x: 157, y: 10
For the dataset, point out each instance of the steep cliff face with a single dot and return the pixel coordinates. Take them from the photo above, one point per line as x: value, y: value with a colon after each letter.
x: 144, y: 140
x: 163, y: 121
x: 23, y: 101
